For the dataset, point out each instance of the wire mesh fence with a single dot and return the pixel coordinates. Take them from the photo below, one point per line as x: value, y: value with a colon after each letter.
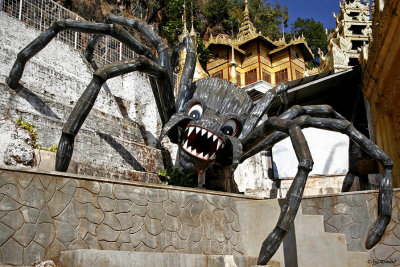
x: 40, y: 14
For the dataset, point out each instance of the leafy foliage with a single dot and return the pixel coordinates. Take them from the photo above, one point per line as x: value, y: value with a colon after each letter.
x: 173, y: 25
x: 203, y: 52
x: 32, y: 132
x: 31, y: 129
x: 50, y: 148
x: 268, y: 18
x: 178, y: 177
x: 314, y: 34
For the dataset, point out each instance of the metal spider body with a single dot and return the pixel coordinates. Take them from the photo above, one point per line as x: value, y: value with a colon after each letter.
x: 214, y: 122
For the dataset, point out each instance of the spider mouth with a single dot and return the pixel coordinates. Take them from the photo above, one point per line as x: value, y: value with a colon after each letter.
x: 202, y: 143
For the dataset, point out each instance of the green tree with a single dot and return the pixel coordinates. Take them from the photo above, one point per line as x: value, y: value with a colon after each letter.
x: 220, y: 13
x: 221, y: 16
x: 173, y: 21
x: 314, y: 34
x: 173, y: 25
x: 268, y: 18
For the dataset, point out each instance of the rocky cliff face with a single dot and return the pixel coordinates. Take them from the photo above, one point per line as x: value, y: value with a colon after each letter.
x: 147, y: 10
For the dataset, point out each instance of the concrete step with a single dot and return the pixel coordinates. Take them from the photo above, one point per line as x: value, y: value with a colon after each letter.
x: 355, y: 259
x: 307, y: 244
x: 111, y: 258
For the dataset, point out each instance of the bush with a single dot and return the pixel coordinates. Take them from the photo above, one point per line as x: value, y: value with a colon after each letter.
x: 178, y: 177
x: 32, y: 132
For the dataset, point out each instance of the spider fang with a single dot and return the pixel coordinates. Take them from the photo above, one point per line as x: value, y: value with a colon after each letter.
x: 202, y: 143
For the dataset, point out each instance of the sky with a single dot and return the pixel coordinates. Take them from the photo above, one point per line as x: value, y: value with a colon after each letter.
x: 319, y: 10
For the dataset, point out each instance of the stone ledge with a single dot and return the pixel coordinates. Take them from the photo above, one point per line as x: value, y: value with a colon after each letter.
x: 107, y: 258
x: 124, y: 182
x: 46, y: 160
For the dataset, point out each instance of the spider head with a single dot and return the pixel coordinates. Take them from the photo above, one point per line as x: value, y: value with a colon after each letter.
x: 214, y: 114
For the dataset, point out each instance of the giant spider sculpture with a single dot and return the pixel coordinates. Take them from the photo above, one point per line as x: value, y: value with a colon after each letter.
x: 214, y: 122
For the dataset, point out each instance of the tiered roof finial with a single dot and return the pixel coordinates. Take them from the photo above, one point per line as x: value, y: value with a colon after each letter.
x: 246, y: 10
x: 192, y: 31
x: 247, y: 27
x: 184, y: 30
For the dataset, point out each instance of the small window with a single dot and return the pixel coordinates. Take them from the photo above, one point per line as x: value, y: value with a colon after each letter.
x: 249, y: 54
x: 218, y: 74
x: 238, y: 79
x: 250, y: 76
x: 266, y: 76
x: 298, y: 74
x: 281, y: 76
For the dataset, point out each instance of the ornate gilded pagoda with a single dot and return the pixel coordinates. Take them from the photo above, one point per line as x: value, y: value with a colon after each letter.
x: 252, y: 57
x: 353, y: 31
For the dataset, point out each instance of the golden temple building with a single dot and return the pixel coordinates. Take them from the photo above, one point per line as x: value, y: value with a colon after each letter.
x: 252, y: 57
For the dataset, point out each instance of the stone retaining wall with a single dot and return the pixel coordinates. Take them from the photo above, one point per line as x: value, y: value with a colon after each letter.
x: 42, y: 214
x: 353, y: 214
x: 120, y: 132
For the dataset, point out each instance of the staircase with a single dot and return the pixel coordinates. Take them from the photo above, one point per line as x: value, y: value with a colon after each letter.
x: 307, y: 244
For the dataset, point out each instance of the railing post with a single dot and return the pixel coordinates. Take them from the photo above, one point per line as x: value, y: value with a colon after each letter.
x: 76, y: 36
x: 20, y: 10
x: 120, y: 51
x: 105, y: 57
x: 41, y: 16
x: 1, y: 5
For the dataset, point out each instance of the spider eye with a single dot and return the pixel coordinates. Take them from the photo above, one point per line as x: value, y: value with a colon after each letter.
x: 230, y: 127
x: 195, y: 111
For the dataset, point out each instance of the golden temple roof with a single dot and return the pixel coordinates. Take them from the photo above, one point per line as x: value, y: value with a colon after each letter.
x: 247, y: 33
x: 300, y: 41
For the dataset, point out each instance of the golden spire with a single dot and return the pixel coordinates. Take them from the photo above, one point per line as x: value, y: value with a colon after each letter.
x: 246, y: 10
x: 198, y: 72
x: 192, y: 31
x: 232, y: 65
x: 184, y: 30
x: 246, y: 28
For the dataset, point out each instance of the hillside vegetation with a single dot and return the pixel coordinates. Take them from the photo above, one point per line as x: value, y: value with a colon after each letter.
x: 211, y: 17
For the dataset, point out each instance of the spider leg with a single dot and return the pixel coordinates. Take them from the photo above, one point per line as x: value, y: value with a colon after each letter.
x: 138, y: 48
x: 186, y: 91
x: 290, y: 114
x: 42, y: 40
x: 294, y: 195
x: 175, y: 53
x: 151, y: 36
x: 262, y: 106
x: 303, y: 117
x: 86, y: 102
x: 163, y: 94
x: 129, y: 41
x: 386, y: 188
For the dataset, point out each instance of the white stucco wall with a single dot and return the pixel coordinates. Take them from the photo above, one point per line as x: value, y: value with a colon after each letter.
x: 329, y: 151
x: 55, y: 78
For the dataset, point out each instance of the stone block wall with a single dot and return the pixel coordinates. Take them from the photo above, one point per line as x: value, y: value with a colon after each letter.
x: 42, y: 214
x: 120, y: 132
x: 353, y: 214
